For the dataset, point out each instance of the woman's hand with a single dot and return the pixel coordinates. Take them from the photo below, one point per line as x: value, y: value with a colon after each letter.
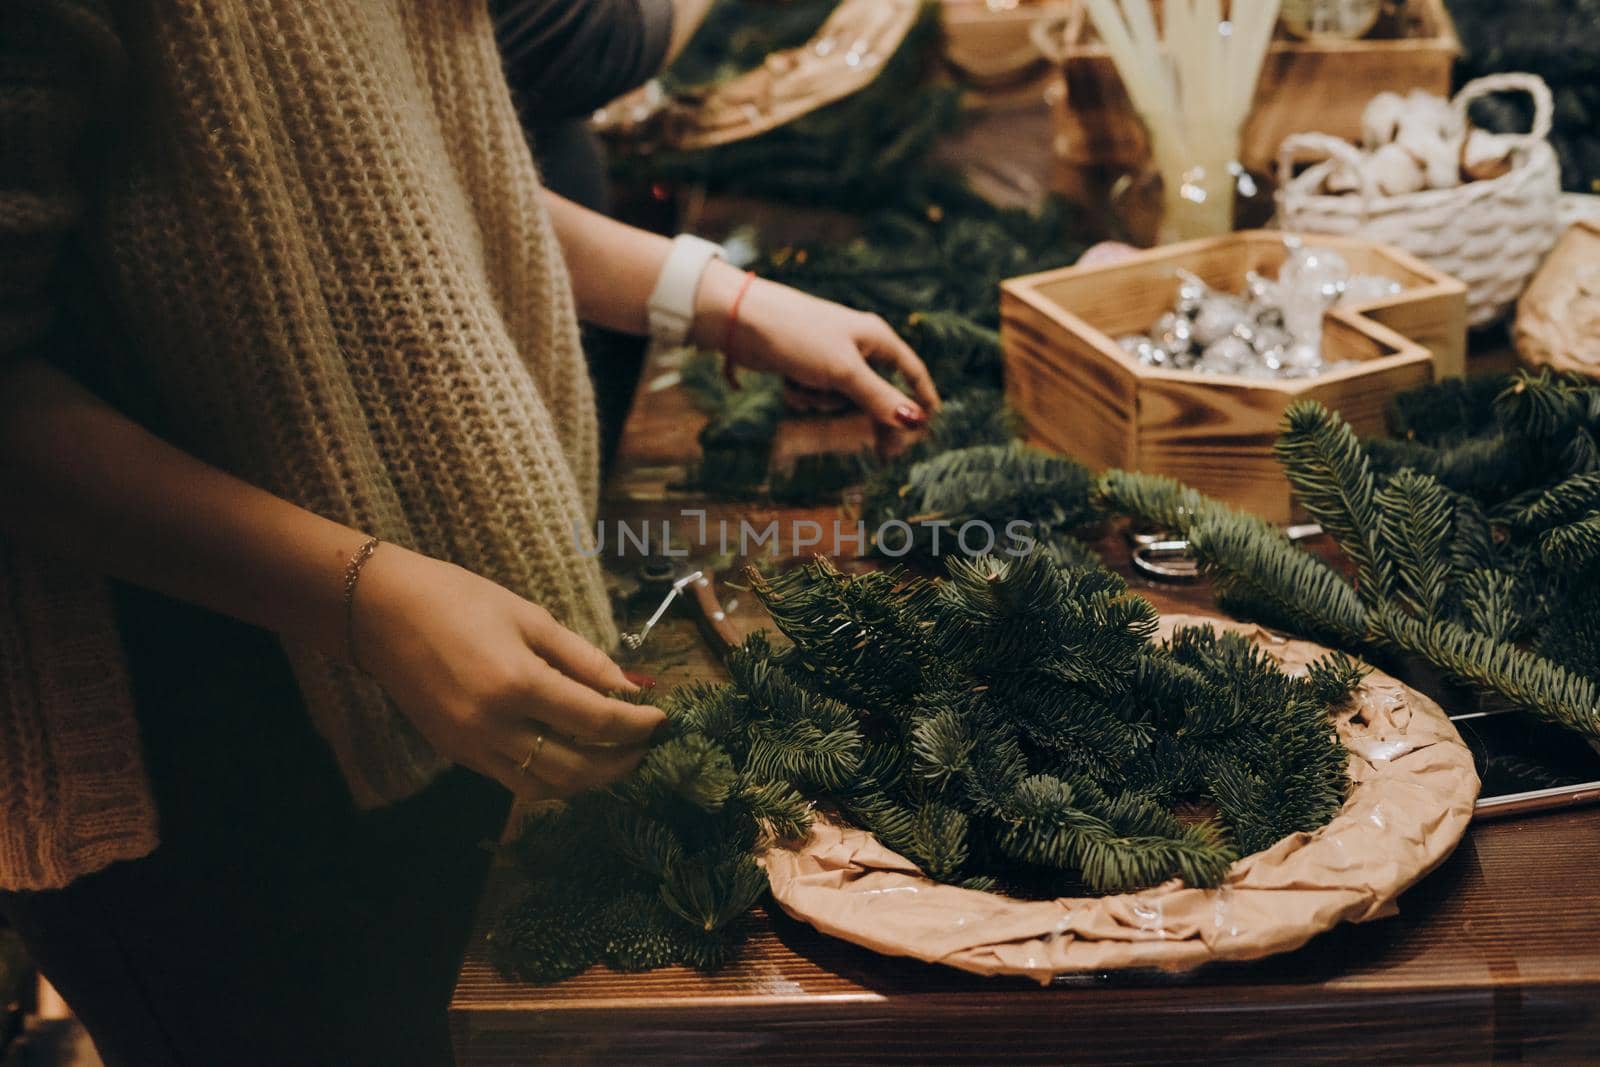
x: 485, y: 674
x: 824, y: 349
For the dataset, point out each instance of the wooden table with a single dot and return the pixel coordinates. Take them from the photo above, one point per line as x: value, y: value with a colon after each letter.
x: 1493, y: 958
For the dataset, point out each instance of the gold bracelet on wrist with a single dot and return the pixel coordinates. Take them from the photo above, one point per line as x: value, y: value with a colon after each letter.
x: 352, y: 575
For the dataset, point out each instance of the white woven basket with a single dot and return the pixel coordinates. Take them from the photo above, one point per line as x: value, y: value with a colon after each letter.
x: 1491, y: 234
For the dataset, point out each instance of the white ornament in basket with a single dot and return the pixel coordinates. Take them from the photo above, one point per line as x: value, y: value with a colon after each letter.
x: 1492, y: 234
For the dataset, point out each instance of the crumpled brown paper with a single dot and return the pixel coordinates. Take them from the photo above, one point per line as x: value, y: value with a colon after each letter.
x: 1413, y: 788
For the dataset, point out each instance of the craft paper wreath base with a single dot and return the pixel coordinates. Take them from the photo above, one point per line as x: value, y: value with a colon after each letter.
x: 1412, y: 792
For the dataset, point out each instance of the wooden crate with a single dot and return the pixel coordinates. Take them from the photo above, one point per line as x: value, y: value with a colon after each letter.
x: 1322, y: 85
x: 1079, y: 393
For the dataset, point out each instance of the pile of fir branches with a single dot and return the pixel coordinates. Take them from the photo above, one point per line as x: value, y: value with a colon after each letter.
x: 970, y: 467
x: 1473, y: 536
x: 736, y: 441
x: 933, y: 262
x: 1012, y: 727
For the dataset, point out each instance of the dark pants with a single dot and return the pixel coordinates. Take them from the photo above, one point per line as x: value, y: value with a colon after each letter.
x: 276, y: 924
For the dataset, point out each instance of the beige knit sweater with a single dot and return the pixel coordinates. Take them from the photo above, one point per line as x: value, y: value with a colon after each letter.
x: 318, y: 227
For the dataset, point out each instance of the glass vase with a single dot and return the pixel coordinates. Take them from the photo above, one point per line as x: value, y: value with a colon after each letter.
x: 1200, y: 176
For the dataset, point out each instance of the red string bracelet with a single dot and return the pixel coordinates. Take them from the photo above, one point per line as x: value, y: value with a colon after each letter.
x: 733, y: 320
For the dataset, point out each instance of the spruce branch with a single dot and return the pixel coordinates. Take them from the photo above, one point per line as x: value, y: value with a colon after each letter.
x: 1414, y: 524
x: 1334, y: 677
x: 1119, y: 843
x: 1573, y: 546
x: 942, y: 743
x: 1162, y: 503
x: 1333, y: 480
x: 689, y: 768
x: 1524, y: 679
x: 1545, y: 506
x: 1489, y: 603
x: 714, y: 889
x: 778, y: 808
x: 1259, y: 574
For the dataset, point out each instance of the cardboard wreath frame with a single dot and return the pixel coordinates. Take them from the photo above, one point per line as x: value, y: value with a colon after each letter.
x: 845, y: 54
x: 1412, y: 792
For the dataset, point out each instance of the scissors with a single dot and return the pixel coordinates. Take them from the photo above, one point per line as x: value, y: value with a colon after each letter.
x: 698, y: 588
x: 1168, y: 559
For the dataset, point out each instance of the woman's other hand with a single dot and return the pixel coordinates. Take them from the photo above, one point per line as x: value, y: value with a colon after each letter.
x: 824, y: 349
x: 493, y: 681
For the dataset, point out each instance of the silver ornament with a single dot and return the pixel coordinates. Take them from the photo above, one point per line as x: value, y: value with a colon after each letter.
x: 1320, y: 270
x: 1226, y: 356
x: 1260, y: 289
x: 1174, y: 333
x: 1269, y: 338
x: 1267, y: 315
x: 1369, y: 288
x: 1217, y: 317
x: 1302, y: 357
x: 1272, y: 330
x: 1192, y: 293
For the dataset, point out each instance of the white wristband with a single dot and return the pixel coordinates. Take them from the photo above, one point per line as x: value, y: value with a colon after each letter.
x: 671, y: 307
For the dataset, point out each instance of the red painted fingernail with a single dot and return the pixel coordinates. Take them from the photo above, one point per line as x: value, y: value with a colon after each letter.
x: 643, y: 681
x: 912, y: 418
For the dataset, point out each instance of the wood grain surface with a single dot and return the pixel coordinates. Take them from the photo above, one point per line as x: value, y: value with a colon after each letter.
x: 1494, y: 958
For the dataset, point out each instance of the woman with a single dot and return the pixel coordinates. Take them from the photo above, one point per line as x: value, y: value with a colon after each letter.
x: 277, y: 279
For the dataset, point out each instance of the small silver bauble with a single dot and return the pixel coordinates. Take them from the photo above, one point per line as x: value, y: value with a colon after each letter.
x: 1318, y: 269
x: 1226, y: 356
x: 1302, y: 357
x: 1272, y: 330
x: 1266, y: 314
x: 1216, y: 319
x: 1257, y: 369
x: 1368, y: 288
x: 1267, y: 338
x: 1184, y: 360
x: 1260, y: 289
x: 1191, y: 293
x: 1174, y: 332
x: 1302, y: 315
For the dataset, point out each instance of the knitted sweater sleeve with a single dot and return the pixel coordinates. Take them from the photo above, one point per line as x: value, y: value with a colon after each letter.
x: 54, y: 57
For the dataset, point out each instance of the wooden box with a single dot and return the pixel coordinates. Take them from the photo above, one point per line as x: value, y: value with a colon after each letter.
x: 1318, y: 85
x: 1079, y: 393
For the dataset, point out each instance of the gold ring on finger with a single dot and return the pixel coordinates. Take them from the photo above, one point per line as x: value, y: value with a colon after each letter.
x: 533, y: 753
